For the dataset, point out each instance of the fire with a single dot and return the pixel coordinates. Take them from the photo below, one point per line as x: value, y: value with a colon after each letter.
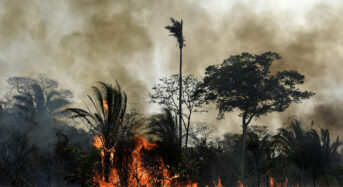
x: 105, y: 105
x: 240, y: 184
x: 139, y: 174
x: 142, y: 175
x: 97, y: 142
x: 273, y: 183
x: 218, y: 184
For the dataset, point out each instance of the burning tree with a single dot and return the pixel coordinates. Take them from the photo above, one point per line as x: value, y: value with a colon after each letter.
x: 105, y: 119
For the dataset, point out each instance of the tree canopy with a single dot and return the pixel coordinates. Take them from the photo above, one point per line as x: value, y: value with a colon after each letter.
x: 245, y: 82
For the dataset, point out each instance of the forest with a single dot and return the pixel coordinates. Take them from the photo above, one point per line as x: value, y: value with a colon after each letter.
x: 46, y: 139
x: 41, y: 144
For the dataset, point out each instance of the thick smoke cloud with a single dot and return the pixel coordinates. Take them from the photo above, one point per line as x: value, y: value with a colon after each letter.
x: 81, y: 42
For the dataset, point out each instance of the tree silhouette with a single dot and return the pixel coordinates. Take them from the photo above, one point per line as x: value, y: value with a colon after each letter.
x: 165, y: 93
x: 16, y: 159
x: 109, y: 106
x: 311, y: 151
x: 244, y: 82
x: 261, y: 151
x: 38, y: 98
x: 176, y: 30
x: 163, y: 127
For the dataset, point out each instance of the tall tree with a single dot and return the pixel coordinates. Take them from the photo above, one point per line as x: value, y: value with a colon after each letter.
x: 165, y: 93
x: 245, y: 82
x: 38, y: 98
x: 176, y: 30
x: 109, y: 106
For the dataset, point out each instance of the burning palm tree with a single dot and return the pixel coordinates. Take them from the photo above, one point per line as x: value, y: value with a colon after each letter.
x: 105, y: 118
x: 176, y: 30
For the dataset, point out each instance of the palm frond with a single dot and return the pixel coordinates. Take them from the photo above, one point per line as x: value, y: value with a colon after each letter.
x: 176, y: 30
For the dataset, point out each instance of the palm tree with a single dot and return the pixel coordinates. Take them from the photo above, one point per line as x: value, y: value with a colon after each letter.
x: 310, y: 151
x: 261, y: 150
x: 294, y: 146
x: 323, y: 153
x: 163, y: 127
x: 39, y: 103
x: 109, y: 106
x: 176, y: 30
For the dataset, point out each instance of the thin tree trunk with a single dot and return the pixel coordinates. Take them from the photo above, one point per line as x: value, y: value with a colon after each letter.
x: 180, y: 100
x: 314, y: 181
x: 187, y: 132
x: 176, y: 125
x: 107, y: 164
x: 245, y: 125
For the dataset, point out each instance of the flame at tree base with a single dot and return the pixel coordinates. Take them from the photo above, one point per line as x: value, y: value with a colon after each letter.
x: 139, y: 173
x: 142, y: 174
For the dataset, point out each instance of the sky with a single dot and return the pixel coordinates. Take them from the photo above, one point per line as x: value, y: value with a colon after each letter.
x: 79, y: 42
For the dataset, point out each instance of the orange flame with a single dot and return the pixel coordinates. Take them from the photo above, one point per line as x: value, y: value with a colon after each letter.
x: 138, y: 174
x: 273, y: 183
x: 218, y: 184
x: 104, y: 102
x: 240, y: 184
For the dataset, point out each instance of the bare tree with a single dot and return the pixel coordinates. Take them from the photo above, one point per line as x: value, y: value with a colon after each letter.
x: 165, y: 93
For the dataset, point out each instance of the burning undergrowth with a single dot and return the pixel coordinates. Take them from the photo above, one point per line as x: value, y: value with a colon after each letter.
x: 144, y: 166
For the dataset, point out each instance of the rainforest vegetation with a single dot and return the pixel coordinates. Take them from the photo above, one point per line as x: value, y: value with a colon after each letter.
x: 46, y: 139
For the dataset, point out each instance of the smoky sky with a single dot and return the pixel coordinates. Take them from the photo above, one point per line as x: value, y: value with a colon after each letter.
x: 79, y: 42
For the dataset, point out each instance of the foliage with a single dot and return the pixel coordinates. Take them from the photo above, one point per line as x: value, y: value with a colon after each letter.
x: 176, y: 30
x: 81, y: 164
x: 166, y: 95
x: 245, y: 82
x: 314, y: 154
x: 162, y: 127
x: 37, y: 98
x: 109, y: 106
x: 16, y: 159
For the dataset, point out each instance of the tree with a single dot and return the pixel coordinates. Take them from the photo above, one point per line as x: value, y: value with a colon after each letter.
x: 17, y: 156
x: 163, y: 128
x: 166, y: 93
x: 79, y: 165
x: 245, y: 82
x: 261, y: 151
x: 38, y: 98
x: 310, y: 152
x: 176, y: 30
x: 109, y: 106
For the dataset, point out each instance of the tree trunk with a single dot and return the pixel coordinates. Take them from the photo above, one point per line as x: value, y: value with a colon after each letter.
x: 187, y: 132
x: 107, y: 164
x: 314, y: 181
x: 180, y: 100
x: 245, y: 125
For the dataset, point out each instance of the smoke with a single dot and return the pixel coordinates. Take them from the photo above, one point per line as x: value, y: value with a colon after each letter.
x: 81, y: 42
